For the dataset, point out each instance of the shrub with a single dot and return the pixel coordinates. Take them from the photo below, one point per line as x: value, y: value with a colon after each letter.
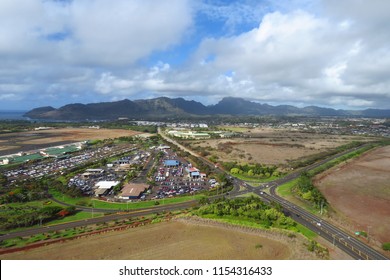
x: 258, y: 246
x: 386, y: 246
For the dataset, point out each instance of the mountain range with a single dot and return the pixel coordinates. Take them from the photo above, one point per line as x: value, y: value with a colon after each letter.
x: 164, y: 107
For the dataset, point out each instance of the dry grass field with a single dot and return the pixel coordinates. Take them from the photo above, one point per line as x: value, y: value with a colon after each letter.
x: 272, y: 146
x: 173, y: 240
x: 31, y: 140
x: 359, y: 192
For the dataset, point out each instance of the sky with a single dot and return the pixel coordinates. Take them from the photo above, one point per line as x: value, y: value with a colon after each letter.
x: 327, y: 53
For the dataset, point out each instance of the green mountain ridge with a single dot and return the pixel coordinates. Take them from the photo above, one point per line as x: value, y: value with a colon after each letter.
x: 164, y: 107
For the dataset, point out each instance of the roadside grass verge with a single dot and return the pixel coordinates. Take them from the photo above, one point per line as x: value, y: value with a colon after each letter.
x: 84, y: 201
x: 143, y: 204
x: 306, y: 232
x: 285, y: 189
x: 82, y: 215
x: 23, y: 241
x: 250, y: 223
x: 35, y: 203
x: 72, y: 232
x: 248, y: 194
x: 252, y: 180
x: 341, y: 159
x: 121, y: 206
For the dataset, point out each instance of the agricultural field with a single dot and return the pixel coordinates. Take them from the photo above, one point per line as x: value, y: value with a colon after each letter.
x: 33, y: 140
x: 359, y: 193
x: 271, y: 146
x: 180, y: 239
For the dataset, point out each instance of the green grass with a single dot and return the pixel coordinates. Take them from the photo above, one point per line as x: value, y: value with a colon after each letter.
x: 144, y: 204
x: 35, y: 203
x: 78, y: 216
x: 341, y: 159
x: 250, y: 223
x: 23, y: 241
x: 248, y: 194
x: 91, y: 202
x: 241, y: 221
x: 253, y: 179
x: 70, y: 200
x: 285, y: 189
x: 306, y: 232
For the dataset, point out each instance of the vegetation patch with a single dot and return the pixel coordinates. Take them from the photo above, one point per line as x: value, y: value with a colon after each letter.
x: 15, y: 217
x: 256, y: 171
x: 305, y: 189
x: 386, y: 246
x: 248, y: 211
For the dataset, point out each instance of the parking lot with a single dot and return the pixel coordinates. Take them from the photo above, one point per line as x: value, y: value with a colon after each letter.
x: 176, y: 176
x: 115, y: 171
x: 59, y: 165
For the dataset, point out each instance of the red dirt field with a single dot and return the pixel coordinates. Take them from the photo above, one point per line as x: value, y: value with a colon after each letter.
x: 359, y: 192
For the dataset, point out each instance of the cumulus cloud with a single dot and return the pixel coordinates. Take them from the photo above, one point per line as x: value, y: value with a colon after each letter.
x: 313, y: 52
x: 64, y: 45
x: 128, y: 30
x: 300, y: 57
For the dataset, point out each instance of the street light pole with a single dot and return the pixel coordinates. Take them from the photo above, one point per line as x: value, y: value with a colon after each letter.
x: 93, y: 206
x: 334, y: 237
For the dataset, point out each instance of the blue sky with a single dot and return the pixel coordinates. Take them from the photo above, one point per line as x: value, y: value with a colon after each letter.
x: 300, y: 52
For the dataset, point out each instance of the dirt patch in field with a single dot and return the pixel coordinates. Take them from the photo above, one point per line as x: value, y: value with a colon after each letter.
x: 270, y: 146
x: 180, y: 239
x: 359, y: 192
x: 32, y: 140
x: 78, y: 134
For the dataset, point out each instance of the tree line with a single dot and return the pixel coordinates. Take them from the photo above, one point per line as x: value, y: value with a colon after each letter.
x: 306, y: 190
x: 251, y: 208
x: 15, y: 217
x: 252, y: 170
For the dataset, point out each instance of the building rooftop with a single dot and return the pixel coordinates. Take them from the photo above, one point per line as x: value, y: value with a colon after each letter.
x: 171, y: 162
x: 106, y: 184
x: 133, y: 190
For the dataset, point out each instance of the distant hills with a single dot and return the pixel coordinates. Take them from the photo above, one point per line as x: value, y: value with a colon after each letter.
x: 164, y: 107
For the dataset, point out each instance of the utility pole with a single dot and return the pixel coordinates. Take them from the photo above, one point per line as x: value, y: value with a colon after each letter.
x: 93, y: 206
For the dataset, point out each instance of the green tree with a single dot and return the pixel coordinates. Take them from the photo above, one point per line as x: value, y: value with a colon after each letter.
x: 235, y: 170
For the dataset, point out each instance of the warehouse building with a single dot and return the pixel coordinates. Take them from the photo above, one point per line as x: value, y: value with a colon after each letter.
x: 133, y: 191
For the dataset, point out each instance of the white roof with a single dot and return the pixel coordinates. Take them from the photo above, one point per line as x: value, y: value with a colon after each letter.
x: 106, y: 184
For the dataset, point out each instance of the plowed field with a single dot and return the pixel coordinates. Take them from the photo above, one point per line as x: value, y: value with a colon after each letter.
x: 359, y: 191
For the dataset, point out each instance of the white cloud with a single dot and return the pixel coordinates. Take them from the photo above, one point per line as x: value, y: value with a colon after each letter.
x: 9, y: 96
x: 330, y: 52
x: 65, y: 45
x: 293, y: 58
x: 298, y: 56
x: 128, y: 30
